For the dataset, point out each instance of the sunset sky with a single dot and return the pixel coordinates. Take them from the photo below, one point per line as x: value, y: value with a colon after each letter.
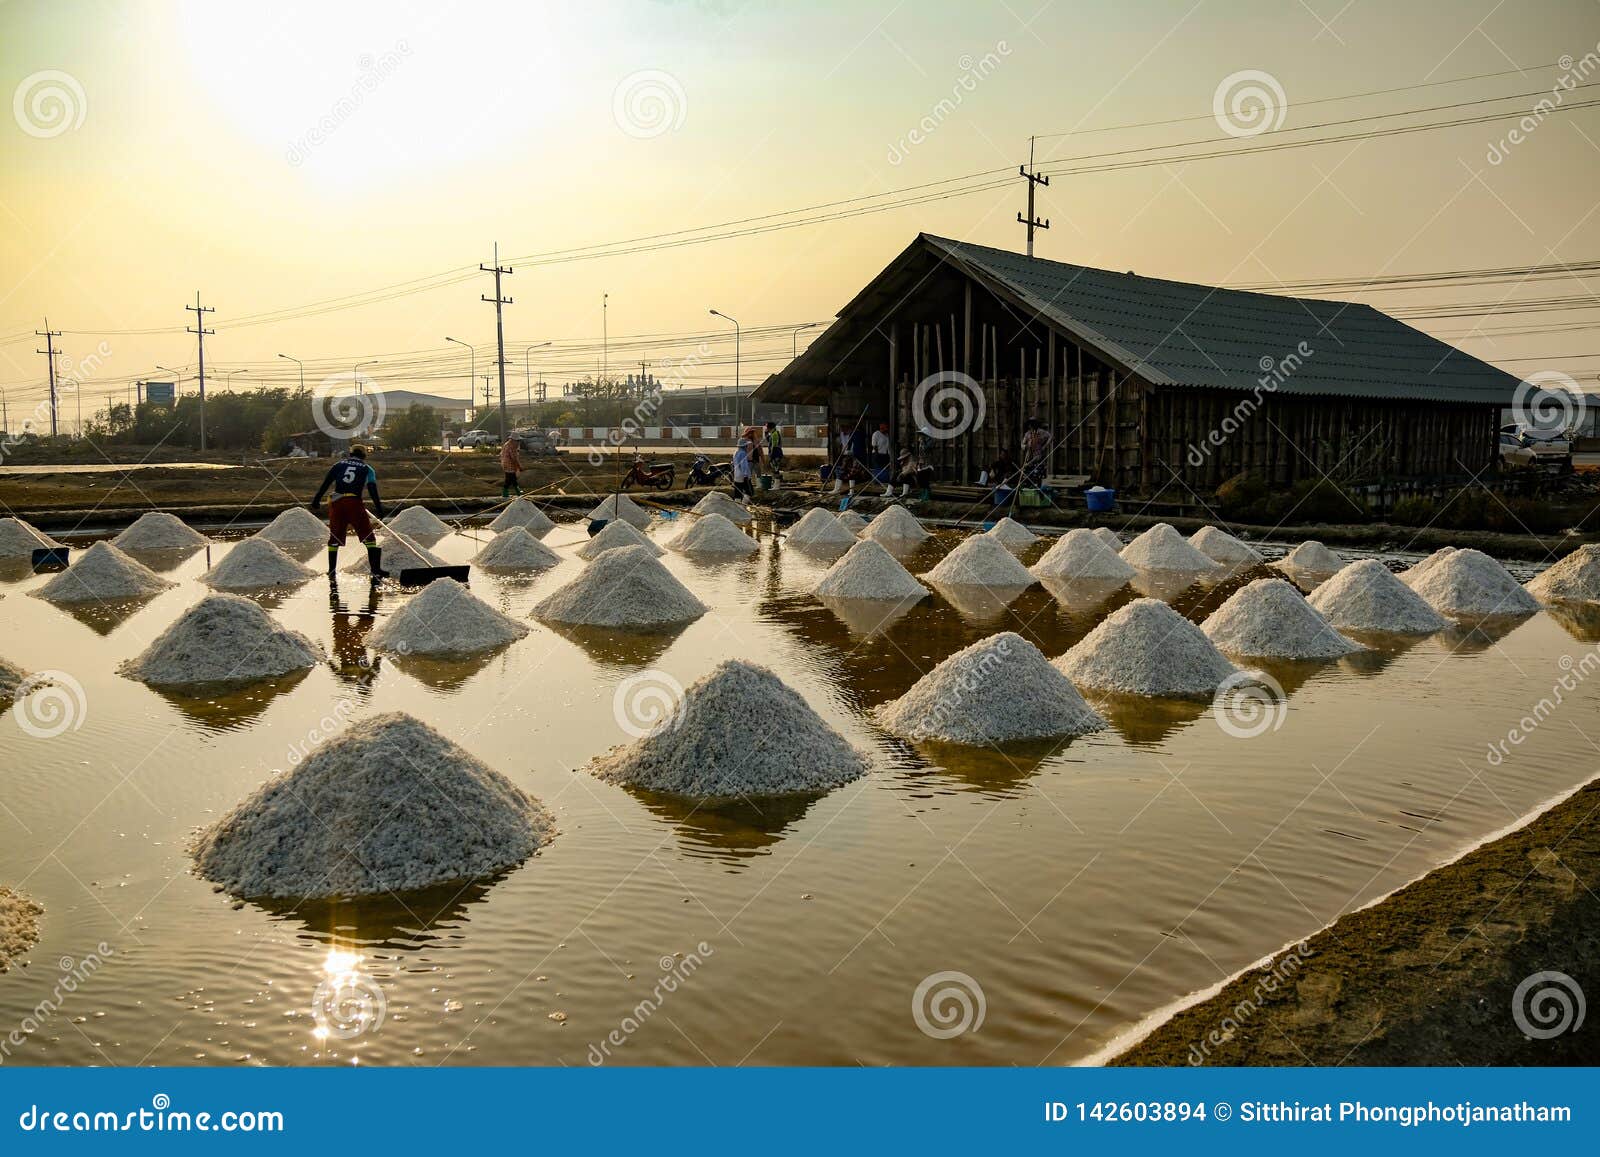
x: 277, y: 157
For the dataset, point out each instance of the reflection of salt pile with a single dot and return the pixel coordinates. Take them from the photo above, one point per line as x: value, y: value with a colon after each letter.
x: 1470, y: 584
x: 617, y: 533
x: 419, y: 524
x: 738, y: 731
x: 256, y: 564
x: 445, y: 619
x: 296, y: 526
x: 851, y: 521
x: 398, y: 555
x: 222, y: 639
x: 1217, y: 544
x: 517, y: 549
x: 980, y: 561
x: 1147, y: 648
x: 1410, y: 575
x: 869, y: 571
x: 719, y: 503
x: 525, y: 514
x: 712, y: 534
x: 389, y: 806
x: 627, y: 587
x: 1082, y: 554
x: 1575, y: 578
x: 894, y: 523
x: 157, y: 530
x: 1312, y: 556
x: 1365, y: 596
x: 102, y: 573
x: 11, y: 677
x: 1269, y: 618
x: 819, y: 528
x: 19, y: 926
x: 19, y: 539
x: 1000, y: 688
x: 1012, y: 534
x: 623, y: 507
x: 1162, y: 548
x: 1108, y: 536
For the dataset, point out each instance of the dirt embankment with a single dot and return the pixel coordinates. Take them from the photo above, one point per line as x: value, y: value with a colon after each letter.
x: 1431, y: 974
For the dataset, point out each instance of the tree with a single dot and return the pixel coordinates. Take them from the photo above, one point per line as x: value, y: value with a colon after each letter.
x: 415, y: 426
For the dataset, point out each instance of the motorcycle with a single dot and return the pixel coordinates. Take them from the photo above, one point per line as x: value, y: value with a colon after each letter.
x: 704, y: 472
x: 655, y: 475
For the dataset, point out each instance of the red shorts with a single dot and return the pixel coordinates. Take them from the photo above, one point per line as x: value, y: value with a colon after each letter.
x: 347, y: 514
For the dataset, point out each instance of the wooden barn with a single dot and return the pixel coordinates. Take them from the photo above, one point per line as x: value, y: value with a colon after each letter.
x: 1142, y: 383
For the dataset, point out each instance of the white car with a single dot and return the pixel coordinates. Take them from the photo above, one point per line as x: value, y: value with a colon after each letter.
x: 474, y: 438
x: 1522, y: 446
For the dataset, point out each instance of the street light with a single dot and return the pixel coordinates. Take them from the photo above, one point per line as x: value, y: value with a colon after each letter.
x: 725, y: 317
x: 472, y: 370
x: 527, y: 377
x: 228, y: 380
x: 302, y: 366
x: 356, y: 373
x: 178, y: 374
x: 795, y: 337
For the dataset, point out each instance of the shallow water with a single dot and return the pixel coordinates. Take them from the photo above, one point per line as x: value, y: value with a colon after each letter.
x: 1078, y: 886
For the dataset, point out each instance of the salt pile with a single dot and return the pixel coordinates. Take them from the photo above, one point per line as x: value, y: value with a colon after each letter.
x: 100, y: 574
x: 1013, y: 535
x: 157, y: 530
x: 616, y: 533
x: 623, y: 507
x: 713, y: 535
x: 1470, y: 584
x: 819, y: 528
x: 738, y: 731
x: 19, y: 926
x: 1108, y: 536
x: 1575, y: 579
x: 1082, y: 554
x: 851, y: 521
x: 296, y: 526
x: 999, y: 689
x: 256, y: 564
x: 1162, y: 548
x: 1410, y: 575
x: 11, y: 677
x: 626, y: 587
x: 1366, y: 596
x: 222, y: 639
x: 398, y: 554
x: 869, y: 571
x: 445, y: 619
x: 1270, y: 618
x: 719, y: 503
x: 894, y: 523
x: 980, y: 561
x: 19, y: 539
x: 1220, y: 546
x: 1147, y: 648
x: 525, y: 514
x: 1312, y: 556
x: 388, y: 806
x: 516, y: 548
x: 419, y: 524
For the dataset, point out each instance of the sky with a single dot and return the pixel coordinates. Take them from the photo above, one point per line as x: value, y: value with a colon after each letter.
x: 277, y: 157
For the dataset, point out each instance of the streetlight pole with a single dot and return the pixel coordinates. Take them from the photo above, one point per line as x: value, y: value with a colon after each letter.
x: 605, y: 339
x: 472, y: 371
x: 527, y: 376
x: 178, y: 382
x: 228, y: 380
x: 725, y: 317
x: 796, y: 337
x: 356, y: 372
x: 302, y: 366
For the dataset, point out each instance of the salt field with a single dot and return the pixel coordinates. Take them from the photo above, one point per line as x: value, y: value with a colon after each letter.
x: 1082, y: 883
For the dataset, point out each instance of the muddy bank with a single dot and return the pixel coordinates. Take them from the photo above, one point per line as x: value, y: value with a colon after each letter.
x: 1429, y: 975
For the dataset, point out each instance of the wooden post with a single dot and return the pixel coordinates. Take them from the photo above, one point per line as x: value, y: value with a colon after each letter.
x: 966, y: 368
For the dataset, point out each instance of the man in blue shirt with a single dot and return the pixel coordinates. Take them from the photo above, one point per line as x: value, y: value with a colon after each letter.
x: 347, y: 478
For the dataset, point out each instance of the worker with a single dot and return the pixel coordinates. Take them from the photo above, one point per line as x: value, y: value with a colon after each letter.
x: 774, y: 439
x: 511, y: 463
x: 912, y: 472
x: 348, y: 478
x: 742, y: 490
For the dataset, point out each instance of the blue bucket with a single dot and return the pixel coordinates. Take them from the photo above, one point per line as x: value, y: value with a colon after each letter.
x: 1100, y: 501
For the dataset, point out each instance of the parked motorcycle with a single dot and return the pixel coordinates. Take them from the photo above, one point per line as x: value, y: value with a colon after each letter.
x: 704, y: 472
x: 654, y: 475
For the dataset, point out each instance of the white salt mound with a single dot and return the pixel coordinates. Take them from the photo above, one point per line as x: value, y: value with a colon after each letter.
x: 100, y: 574
x: 1163, y: 548
x: 869, y: 571
x: 256, y: 564
x: 19, y: 539
x: 1575, y: 579
x: 1012, y: 534
x: 296, y: 526
x: 1082, y: 554
x: 11, y: 677
x: 719, y: 503
x: 1470, y: 584
x: 627, y: 587
x: 819, y: 528
x: 1108, y: 536
x: 896, y: 523
x: 1270, y: 618
x: 398, y: 555
x: 516, y: 548
x: 616, y: 533
x: 222, y: 639
x: 1312, y: 556
x: 1217, y: 544
x: 1147, y: 648
x: 741, y: 732
x: 445, y: 619
x: 389, y: 805
x: 19, y: 927
x: 1366, y: 596
x: 851, y: 521
x: 525, y: 514
x: 157, y: 530
x: 1410, y: 575
x: 712, y: 534
x: 998, y: 689
x: 419, y: 524
x: 623, y: 507
x: 980, y: 561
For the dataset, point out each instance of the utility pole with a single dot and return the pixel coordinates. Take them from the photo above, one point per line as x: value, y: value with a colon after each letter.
x: 605, y: 339
x: 644, y: 378
x: 499, y: 333
x: 1034, y: 180
x: 486, y: 381
x: 50, y: 353
x: 200, y: 331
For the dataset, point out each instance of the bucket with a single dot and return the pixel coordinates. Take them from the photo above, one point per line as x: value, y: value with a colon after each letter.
x: 1002, y: 495
x: 766, y: 482
x: 824, y: 473
x: 1100, y: 500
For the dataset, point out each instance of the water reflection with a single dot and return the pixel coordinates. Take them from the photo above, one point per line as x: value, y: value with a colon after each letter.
x: 1167, y: 585
x: 998, y: 771
x: 867, y: 617
x: 104, y: 617
x: 414, y: 921
x: 350, y: 659
x: 617, y: 648
x: 977, y: 604
x: 1146, y: 722
x: 226, y: 707
x: 1580, y: 620
x: 162, y: 561
x: 730, y: 830
x: 1474, y: 636
x: 447, y: 673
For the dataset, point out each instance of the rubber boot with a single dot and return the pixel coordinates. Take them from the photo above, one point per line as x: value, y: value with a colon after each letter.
x: 836, y: 486
x: 905, y: 489
x: 375, y: 561
x: 333, y: 563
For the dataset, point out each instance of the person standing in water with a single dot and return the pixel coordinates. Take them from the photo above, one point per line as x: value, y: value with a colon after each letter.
x: 348, y: 478
x: 511, y: 463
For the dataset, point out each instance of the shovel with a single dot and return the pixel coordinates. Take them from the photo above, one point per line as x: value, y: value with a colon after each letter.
x: 417, y: 576
x: 49, y: 557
